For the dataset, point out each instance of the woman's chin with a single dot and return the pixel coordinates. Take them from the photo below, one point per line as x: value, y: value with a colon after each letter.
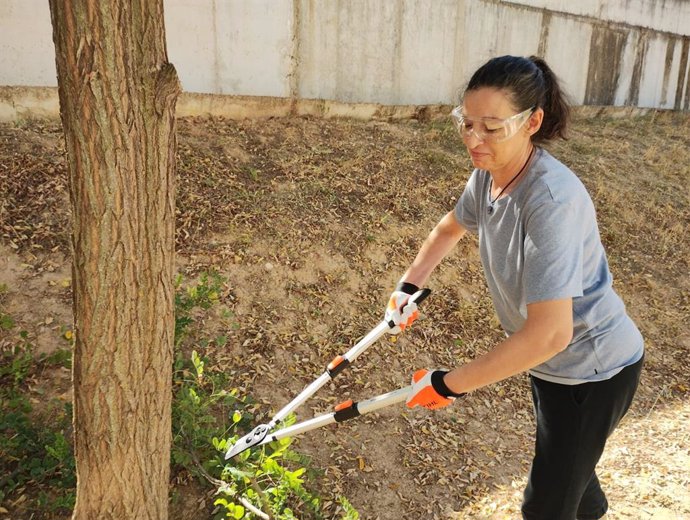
x: 479, y: 159
x: 482, y: 163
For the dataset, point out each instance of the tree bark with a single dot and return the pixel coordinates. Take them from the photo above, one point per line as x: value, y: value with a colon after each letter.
x: 117, y: 103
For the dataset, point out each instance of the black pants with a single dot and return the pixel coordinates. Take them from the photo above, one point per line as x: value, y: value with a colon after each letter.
x: 573, y: 423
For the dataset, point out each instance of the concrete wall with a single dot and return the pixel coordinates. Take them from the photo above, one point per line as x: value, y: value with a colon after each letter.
x: 395, y: 52
x: 27, y: 54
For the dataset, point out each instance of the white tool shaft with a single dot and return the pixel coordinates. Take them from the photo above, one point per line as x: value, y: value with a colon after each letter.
x: 383, y: 400
x: 299, y: 428
x: 367, y: 341
x: 302, y: 397
x: 364, y: 407
x: 350, y: 355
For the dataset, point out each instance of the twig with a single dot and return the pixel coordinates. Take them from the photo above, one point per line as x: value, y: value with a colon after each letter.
x: 258, y: 512
x: 262, y: 496
x: 658, y: 396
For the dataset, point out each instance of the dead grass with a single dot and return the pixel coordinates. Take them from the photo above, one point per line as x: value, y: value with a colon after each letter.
x: 313, y: 221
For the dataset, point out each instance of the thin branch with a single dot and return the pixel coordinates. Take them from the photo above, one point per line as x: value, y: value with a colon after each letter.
x: 262, y: 496
x: 258, y: 512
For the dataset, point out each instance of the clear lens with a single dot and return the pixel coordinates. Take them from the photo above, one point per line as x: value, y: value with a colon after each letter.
x: 489, y: 129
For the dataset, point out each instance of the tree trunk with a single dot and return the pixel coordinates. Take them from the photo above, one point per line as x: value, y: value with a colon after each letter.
x: 117, y: 104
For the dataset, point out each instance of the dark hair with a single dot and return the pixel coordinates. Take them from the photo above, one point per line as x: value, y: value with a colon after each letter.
x: 529, y: 82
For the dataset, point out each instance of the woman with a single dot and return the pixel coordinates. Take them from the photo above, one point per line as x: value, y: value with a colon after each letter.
x: 550, y: 284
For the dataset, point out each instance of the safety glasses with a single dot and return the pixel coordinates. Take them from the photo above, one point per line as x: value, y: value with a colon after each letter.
x: 489, y: 129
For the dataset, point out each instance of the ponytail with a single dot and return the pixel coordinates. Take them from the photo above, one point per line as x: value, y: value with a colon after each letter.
x: 529, y: 82
x: 555, y: 105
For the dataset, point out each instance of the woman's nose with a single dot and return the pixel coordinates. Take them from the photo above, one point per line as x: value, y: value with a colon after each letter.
x: 472, y: 139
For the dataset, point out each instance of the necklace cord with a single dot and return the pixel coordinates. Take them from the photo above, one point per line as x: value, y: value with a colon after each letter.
x: 491, y: 183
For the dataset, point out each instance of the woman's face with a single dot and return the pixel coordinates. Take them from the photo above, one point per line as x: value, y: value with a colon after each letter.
x: 493, y: 106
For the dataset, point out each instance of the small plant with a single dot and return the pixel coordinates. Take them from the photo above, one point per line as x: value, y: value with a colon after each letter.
x: 17, y: 362
x: 200, y: 296
x: 208, y: 416
x: 206, y: 421
x: 350, y: 512
x: 262, y: 479
x: 6, y: 321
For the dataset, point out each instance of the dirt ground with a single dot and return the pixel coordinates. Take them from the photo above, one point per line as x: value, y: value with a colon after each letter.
x: 311, y: 222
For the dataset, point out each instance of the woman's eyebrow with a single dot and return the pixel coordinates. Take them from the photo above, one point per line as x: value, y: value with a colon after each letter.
x: 484, y: 118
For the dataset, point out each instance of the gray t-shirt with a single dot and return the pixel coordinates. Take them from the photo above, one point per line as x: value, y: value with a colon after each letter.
x: 541, y: 242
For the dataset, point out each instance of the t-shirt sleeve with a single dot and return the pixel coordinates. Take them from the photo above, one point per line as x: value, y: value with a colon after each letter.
x: 553, y: 251
x: 466, y: 208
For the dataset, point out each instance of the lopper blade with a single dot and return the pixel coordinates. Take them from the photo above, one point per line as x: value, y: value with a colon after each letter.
x: 253, y: 438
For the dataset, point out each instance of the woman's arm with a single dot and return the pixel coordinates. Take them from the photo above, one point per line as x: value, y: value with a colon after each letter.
x: 547, y: 331
x: 437, y: 245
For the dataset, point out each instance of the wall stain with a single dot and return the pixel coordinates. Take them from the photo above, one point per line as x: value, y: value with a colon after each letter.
x: 640, y: 54
x: 396, y: 67
x: 682, y: 71
x: 668, y: 62
x: 295, y: 54
x: 544, y: 36
x: 217, y: 63
x: 605, y: 59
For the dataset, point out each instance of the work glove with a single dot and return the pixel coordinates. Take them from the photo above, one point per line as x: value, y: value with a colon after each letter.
x: 400, y: 312
x: 430, y: 391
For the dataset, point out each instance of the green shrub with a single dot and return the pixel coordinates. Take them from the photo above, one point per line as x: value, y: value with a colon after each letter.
x: 208, y: 418
x: 35, y: 445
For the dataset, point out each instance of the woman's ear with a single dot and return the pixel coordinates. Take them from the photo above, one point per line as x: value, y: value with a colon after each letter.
x: 534, y: 122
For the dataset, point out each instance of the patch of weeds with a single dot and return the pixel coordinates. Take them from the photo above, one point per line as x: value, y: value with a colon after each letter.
x: 6, y: 321
x: 35, y: 446
x: 200, y: 296
x: 438, y: 159
x: 209, y: 416
x: 60, y: 357
x: 16, y: 363
x: 254, y: 174
x: 207, y: 420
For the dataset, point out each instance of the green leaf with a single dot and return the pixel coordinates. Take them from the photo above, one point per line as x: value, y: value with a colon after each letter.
x: 237, y: 473
x: 271, y: 466
x: 350, y: 512
x: 220, y: 444
x: 194, y: 398
x: 198, y: 364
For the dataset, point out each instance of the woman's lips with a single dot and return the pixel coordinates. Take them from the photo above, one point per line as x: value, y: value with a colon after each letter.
x: 477, y: 155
